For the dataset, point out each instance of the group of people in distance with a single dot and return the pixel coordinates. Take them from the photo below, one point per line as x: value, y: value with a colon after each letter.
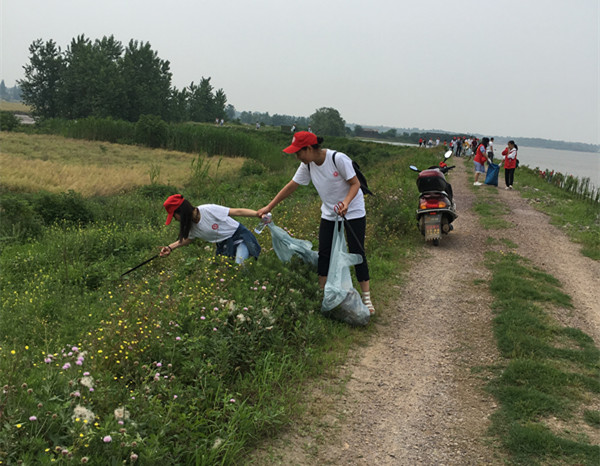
x: 340, y: 193
x: 485, y: 153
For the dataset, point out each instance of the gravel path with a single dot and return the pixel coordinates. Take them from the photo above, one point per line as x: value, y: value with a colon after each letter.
x: 411, y: 396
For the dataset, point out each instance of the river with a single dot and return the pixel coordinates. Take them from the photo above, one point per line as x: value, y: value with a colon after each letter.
x: 579, y: 164
x: 567, y: 162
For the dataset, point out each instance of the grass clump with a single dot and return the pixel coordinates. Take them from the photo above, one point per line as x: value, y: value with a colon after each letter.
x: 551, y: 371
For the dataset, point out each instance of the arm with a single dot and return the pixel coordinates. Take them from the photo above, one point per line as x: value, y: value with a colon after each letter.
x: 352, y: 192
x: 243, y: 213
x: 281, y: 195
x: 167, y: 250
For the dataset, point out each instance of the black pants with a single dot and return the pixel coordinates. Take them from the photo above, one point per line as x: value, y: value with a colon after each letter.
x: 326, y: 229
x: 509, y: 176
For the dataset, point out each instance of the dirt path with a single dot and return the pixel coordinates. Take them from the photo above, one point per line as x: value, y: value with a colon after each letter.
x: 411, y: 395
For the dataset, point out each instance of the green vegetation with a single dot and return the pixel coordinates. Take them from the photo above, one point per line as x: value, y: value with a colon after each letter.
x: 571, y: 204
x: 187, y: 359
x: 550, y: 375
x: 551, y: 372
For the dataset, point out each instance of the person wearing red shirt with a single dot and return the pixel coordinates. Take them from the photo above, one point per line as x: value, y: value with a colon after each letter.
x: 479, y: 160
x: 510, y: 163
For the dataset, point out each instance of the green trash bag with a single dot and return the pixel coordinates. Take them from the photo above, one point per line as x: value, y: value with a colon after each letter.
x: 338, y: 288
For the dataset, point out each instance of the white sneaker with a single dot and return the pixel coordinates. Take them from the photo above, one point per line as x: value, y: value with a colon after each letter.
x: 366, y: 299
x: 477, y: 183
x: 507, y: 188
x: 510, y: 187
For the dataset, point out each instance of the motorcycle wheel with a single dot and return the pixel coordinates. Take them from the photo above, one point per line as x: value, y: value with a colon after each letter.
x: 436, y: 242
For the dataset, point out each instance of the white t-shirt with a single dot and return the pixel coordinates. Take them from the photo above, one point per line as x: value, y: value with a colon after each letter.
x: 490, y: 147
x: 331, y: 182
x: 215, y: 224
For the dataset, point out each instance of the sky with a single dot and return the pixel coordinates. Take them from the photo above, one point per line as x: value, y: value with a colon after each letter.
x: 527, y: 68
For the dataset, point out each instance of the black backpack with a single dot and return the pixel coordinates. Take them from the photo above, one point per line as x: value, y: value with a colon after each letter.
x: 361, y: 177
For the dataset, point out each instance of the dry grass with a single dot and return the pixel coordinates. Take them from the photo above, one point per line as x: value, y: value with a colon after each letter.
x: 14, y: 107
x: 32, y: 163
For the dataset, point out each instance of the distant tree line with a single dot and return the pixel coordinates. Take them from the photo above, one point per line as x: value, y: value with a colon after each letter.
x: 10, y: 94
x: 105, y: 79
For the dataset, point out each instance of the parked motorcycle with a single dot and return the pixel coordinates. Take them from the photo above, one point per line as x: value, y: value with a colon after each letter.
x: 437, y: 209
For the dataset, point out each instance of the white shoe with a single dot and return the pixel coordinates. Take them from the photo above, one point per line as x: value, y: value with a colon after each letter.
x: 507, y: 188
x: 510, y: 187
x: 366, y: 299
x: 477, y: 183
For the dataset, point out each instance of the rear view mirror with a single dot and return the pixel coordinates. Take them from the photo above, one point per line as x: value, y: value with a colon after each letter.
x: 413, y: 168
x: 448, y: 154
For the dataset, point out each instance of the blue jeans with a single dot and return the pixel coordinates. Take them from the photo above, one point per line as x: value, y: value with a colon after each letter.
x: 241, y: 253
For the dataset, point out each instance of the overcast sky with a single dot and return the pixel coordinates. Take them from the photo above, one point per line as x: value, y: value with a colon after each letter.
x: 526, y: 68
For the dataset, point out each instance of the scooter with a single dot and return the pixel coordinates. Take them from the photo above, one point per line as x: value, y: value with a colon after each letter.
x: 437, y: 209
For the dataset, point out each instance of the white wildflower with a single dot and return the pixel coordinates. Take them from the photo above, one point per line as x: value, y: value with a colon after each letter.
x: 121, y: 414
x: 87, y: 381
x: 81, y: 412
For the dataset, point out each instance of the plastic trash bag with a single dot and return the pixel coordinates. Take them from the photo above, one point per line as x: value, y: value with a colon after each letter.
x: 285, y: 246
x: 338, y: 289
x: 491, y: 177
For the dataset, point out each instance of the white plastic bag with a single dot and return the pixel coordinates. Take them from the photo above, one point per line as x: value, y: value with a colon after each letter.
x: 285, y: 246
x: 338, y: 288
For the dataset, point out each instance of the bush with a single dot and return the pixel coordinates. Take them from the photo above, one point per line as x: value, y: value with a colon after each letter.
x: 151, y: 131
x: 70, y: 207
x: 252, y: 167
x: 18, y: 219
x: 8, y: 122
x: 157, y: 191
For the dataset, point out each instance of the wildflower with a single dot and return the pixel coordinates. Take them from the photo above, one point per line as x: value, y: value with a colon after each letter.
x: 232, y: 400
x: 66, y: 366
x: 32, y: 418
x: 159, y: 364
x: 177, y: 338
x: 214, y: 329
x: 217, y: 443
x: 75, y: 394
x: 85, y: 374
x: 85, y: 459
x: 87, y: 381
x: 216, y: 309
x: 47, y: 360
x: 264, y: 287
x: 174, y: 397
x: 202, y: 317
x: 19, y: 426
x: 133, y: 457
x: 107, y: 439
x: 81, y: 412
x: 121, y: 413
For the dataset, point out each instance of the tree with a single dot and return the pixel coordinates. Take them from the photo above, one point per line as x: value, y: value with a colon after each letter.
x: 91, y: 83
x: 147, y: 81
x: 41, y: 86
x: 328, y: 122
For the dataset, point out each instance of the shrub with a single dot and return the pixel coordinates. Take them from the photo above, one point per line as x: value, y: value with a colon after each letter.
x: 69, y: 206
x: 18, y: 219
x: 8, y: 122
x: 252, y: 167
x: 151, y: 131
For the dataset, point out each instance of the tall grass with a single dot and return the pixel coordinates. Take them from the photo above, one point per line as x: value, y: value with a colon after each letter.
x: 189, y: 359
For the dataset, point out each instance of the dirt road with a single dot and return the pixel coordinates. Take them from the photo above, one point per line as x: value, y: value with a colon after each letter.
x: 412, y: 396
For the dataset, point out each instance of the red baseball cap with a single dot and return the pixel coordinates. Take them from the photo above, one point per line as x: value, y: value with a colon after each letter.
x: 171, y: 205
x: 301, y: 140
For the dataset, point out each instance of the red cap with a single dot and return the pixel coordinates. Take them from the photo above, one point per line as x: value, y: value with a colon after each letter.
x: 301, y: 140
x: 172, y: 204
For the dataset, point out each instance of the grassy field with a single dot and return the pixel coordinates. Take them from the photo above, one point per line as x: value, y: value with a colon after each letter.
x: 14, y: 107
x: 30, y: 163
x: 188, y: 359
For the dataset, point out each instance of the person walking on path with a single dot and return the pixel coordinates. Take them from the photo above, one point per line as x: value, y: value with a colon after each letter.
x: 510, y: 163
x: 212, y: 223
x: 479, y: 160
x: 340, y: 193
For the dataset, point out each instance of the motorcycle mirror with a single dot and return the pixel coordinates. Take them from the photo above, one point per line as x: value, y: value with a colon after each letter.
x: 448, y: 154
x: 413, y: 168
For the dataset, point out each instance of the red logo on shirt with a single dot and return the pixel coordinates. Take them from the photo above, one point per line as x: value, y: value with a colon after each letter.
x: 335, y: 174
x: 215, y: 226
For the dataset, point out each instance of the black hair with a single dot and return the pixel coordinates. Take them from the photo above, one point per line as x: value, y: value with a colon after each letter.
x: 186, y: 212
x: 319, y: 142
x: 513, y: 143
x: 485, y: 142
